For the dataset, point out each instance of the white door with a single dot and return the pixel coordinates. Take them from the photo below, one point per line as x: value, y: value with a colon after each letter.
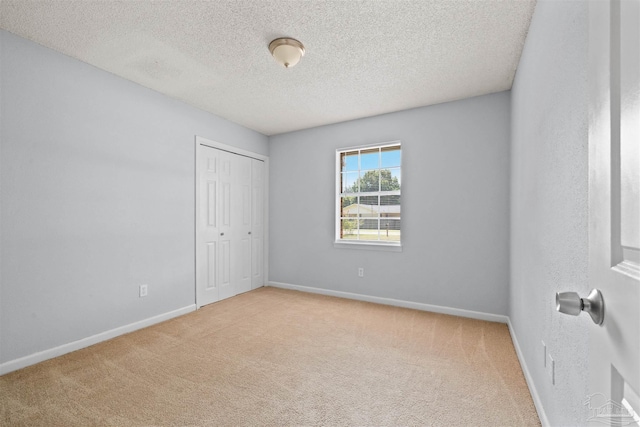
x: 241, y: 214
x: 614, y: 210
x: 235, y: 224
x: 227, y: 237
x: 229, y: 259
x: 257, y: 220
x: 207, y: 249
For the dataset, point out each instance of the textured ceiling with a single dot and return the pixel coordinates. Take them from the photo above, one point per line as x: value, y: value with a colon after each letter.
x: 362, y: 57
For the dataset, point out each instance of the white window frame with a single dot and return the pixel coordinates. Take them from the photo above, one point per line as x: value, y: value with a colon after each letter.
x: 394, y: 246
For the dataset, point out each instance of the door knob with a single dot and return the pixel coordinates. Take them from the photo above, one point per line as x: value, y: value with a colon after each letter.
x: 571, y: 303
x: 249, y: 232
x: 222, y: 234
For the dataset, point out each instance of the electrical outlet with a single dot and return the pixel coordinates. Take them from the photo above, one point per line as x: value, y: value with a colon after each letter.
x: 544, y: 354
x: 360, y: 272
x: 551, y: 369
x: 144, y: 289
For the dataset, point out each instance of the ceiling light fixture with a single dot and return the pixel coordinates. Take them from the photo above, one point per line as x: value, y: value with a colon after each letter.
x: 286, y: 51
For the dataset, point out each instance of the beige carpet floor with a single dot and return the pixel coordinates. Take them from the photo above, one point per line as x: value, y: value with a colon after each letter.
x: 279, y: 357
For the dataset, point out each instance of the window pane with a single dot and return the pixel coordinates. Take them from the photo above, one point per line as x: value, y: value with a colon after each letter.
x: 368, y: 229
x: 349, y: 161
x: 390, y: 206
x: 390, y: 179
x: 370, y: 159
x: 366, y: 214
x: 369, y: 181
x: 349, y: 206
x: 349, y: 229
x: 369, y: 206
x: 350, y: 182
x: 390, y: 229
x: 390, y: 157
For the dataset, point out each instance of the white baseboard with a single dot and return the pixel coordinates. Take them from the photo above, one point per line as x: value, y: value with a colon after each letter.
x: 397, y: 303
x: 527, y: 376
x: 41, y: 356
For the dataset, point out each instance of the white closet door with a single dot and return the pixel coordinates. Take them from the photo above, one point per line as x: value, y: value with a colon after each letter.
x: 257, y: 223
x: 241, y: 256
x: 207, y: 235
x: 230, y: 233
x: 227, y: 201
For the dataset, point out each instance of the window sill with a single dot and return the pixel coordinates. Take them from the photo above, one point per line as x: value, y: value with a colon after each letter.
x: 369, y: 246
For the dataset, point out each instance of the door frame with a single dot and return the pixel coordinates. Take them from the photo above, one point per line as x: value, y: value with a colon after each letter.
x: 199, y: 140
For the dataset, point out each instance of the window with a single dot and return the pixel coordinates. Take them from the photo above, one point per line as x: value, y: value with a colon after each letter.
x: 368, y: 195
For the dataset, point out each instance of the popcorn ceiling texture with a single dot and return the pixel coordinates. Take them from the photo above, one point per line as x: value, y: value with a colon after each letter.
x: 363, y: 58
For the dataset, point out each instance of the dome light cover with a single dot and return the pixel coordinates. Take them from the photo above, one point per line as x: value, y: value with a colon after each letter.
x: 287, y: 52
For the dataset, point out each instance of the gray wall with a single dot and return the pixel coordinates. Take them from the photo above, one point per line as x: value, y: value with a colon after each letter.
x: 549, y: 230
x: 455, y: 207
x: 97, y: 197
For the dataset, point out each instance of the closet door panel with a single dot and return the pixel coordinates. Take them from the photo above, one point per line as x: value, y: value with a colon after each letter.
x: 242, y: 214
x: 207, y: 223
x: 257, y: 223
x: 226, y: 229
